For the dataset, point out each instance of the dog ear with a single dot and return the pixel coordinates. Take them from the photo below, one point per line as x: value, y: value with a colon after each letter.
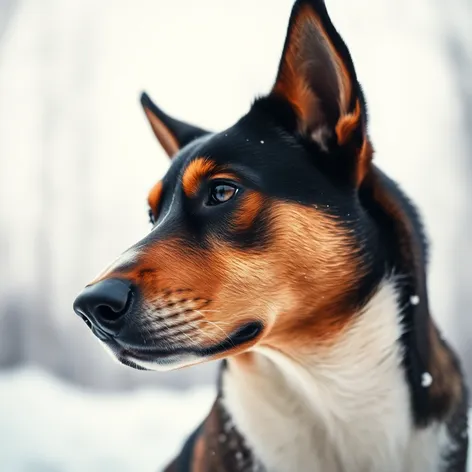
x: 317, y: 77
x: 171, y: 133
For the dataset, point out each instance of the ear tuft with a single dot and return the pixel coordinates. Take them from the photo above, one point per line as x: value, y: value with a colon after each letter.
x: 348, y: 124
x: 364, y: 161
x: 171, y: 133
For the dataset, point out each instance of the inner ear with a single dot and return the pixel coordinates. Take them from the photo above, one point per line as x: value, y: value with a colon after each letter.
x: 316, y: 75
x: 171, y: 133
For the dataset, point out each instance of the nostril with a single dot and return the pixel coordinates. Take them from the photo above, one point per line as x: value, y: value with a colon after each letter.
x: 105, y: 304
x: 87, y: 321
x: 105, y: 312
x: 113, y: 311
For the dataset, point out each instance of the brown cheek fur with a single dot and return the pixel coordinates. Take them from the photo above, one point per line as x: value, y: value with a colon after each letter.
x: 193, y: 174
x: 249, y: 208
x: 298, y: 286
x: 320, y: 266
x: 173, y: 267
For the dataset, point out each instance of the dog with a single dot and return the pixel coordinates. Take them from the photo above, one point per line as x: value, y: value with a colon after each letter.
x: 279, y: 247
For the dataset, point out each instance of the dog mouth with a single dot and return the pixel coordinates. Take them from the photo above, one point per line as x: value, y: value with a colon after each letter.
x: 166, y: 357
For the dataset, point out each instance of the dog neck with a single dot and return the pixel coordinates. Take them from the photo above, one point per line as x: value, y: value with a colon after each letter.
x: 341, y: 407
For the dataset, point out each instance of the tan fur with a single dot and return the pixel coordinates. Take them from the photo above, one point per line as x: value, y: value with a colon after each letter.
x: 162, y: 133
x: 347, y: 124
x: 196, y: 170
x: 364, y: 160
x: 219, y: 289
x: 198, y: 459
x: 320, y: 268
x: 248, y: 211
x: 292, y: 84
x: 154, y: 197
x: 446, y: 388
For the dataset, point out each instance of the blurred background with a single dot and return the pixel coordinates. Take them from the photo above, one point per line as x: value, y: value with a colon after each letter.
x: 77, y: 159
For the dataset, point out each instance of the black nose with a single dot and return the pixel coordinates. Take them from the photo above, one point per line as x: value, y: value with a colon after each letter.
x: 104, y: 304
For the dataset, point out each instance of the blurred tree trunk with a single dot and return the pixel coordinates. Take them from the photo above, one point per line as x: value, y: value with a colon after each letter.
x: 10, y: 316
x: 42, y: 341
x: 6, y: 13
x: 457, y: 16
x: 11, y: 346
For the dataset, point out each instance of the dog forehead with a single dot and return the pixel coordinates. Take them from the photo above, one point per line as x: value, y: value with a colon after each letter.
x: 258, y: 149
x: 250, y: 143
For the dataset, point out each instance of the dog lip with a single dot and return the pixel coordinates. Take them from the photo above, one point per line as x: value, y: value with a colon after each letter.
x: 152, y: 353
x: 100, y: 334
x: 244, y: 334
x: 128, y: 361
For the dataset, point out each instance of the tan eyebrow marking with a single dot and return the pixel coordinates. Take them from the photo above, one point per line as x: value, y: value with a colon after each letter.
x: 154, y: 196
x: 194, y: 173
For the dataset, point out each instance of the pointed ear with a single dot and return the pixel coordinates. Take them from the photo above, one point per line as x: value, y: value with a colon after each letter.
x: 171, y: 133
x: 317, y: 77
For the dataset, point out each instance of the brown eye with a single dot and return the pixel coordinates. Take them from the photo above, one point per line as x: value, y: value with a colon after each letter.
x: 221, y: 193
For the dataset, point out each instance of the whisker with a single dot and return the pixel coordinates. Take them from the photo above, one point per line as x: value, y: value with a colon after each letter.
x: 187, y: 336
x: 227, y: 336
x: 203, y: 332
x: 169, y: 327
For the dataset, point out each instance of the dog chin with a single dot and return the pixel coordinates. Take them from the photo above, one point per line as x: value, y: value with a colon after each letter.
x: 160, y: 364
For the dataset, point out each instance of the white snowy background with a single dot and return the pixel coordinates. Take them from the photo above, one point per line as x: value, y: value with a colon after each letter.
x: 50, y: 426
x: 77, y: 159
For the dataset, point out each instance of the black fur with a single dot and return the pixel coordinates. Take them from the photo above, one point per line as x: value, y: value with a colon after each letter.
x: 270, y: 153
x: 184, y: 133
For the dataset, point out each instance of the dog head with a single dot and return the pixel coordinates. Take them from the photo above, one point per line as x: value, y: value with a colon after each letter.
x: 258, y: 234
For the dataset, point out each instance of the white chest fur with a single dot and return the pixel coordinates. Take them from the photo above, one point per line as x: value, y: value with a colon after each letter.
x: 346, y: 409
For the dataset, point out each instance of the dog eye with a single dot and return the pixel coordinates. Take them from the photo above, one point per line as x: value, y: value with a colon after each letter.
x: 151, y: 217
x: 221, y: 193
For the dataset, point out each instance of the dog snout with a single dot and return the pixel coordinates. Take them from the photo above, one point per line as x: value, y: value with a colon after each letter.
x: 104, y: 305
